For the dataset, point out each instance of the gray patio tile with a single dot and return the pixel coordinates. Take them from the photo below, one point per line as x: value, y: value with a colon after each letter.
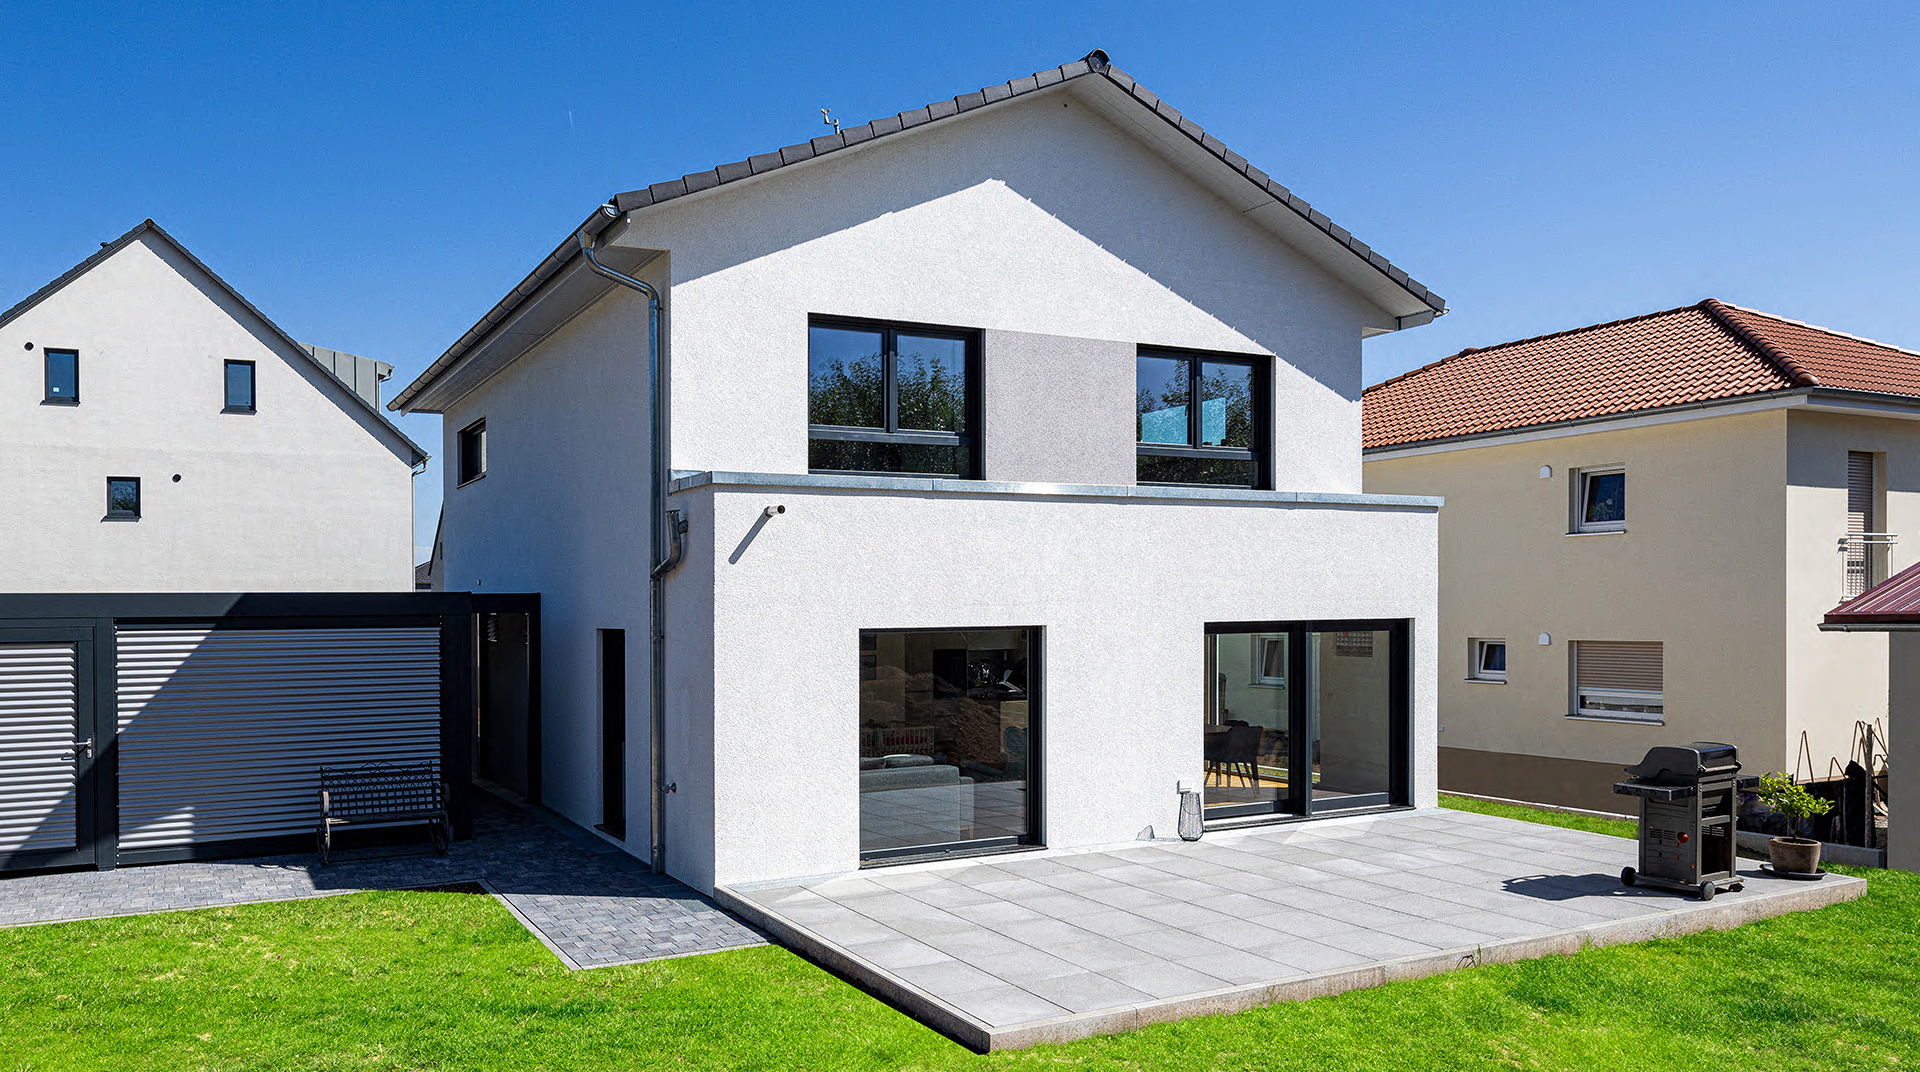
x: 1418, y: 904
x: 1086, y: 991
x: 1100, y: 954
x: 1237, y: 905
x: 1439, y: 933
x: 1173, y: 944
x: 1376, y: 945
x: 1046, y: 931
x: 1239, y: 967
x: 1497, y: 924
x: 1114, y: 922
x: 977, y: 875
x: 1131, y: 898
x: 948, y: 977
x: 1023, y: 967
x: 1001, y: 1005
x: 898, y: 953
x: 1060, y: 905
x: 1033, y: 868
x: 1075, y: 881
x: 1238, y: 933
x: 977, y: 942
x: 950, y: 895
x: 1366, y: 915
x: 1411, y: 882
x: 842, y: 888
x: 996, y: 913
x: 1356, y: 889
x: 1303, y: 924
x: 1176, y: 914
x: 1306, y: 956
x: 1180, y: 888
x: 1016, y: 889
x: 853, y: 931
x: 1165, y: 979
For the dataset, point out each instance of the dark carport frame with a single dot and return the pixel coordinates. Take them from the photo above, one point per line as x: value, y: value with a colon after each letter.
x: 91, y: 621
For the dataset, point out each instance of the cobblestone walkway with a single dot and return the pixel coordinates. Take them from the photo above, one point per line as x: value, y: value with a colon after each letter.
x: 591, y: 904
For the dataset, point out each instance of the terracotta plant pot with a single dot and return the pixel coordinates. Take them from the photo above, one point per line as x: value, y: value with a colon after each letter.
x: 1800, y: 856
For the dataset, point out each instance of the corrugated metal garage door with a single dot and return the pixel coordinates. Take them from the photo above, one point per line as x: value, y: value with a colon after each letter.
x: 37, y: 710
x: 223, y: 731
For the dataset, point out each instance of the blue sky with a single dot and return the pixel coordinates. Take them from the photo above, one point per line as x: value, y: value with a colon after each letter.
x: 374, y: 178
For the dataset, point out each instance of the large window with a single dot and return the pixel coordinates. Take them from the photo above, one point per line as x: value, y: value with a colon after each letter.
x: 63, y: 376
x: 1600, y: 500
x: 239, y: 387
x: 949, y: 744
x: 892, y: 399
x: 1200, y: 419
x: 1305, y: 718
x: 473, y: 451
x: 1623, y: 681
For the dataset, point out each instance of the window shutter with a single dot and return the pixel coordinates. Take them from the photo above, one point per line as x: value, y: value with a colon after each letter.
x: 1859, y: 493
x: 1633, y: 665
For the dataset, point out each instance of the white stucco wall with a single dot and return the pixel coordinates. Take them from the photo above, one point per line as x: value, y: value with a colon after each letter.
x: 303, y: 495
x: 1120, y: 589
x: 562, y: 511
x: 1037, y: 217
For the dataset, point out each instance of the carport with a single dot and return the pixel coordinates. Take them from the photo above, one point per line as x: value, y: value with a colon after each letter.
x: 1893, y: 607
x: 148, y: 727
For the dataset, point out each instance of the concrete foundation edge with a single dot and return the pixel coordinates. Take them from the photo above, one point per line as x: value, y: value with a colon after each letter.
x: 982, y: 1038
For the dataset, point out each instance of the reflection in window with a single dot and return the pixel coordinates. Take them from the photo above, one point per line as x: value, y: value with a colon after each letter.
x: 946, y: 734
x: 123, y: 497
x: 1602, y: 505
x: 890, y: 400
x: 1214, y: 440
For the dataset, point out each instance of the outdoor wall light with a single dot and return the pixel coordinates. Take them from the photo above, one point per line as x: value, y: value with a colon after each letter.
x: 1546, y: 472
x: 1546, y: 639
x: 774, y: 511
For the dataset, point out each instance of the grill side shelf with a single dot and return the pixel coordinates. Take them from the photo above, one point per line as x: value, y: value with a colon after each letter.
x: 1664, y: 794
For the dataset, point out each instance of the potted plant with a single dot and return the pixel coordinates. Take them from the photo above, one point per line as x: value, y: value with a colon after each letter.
x: 1795, y: 855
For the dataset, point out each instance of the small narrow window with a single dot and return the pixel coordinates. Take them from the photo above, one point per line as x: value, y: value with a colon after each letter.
x: 1624, y: 681
x: 1270, y: 660
x: 63, y: 377
x: 239, y: 387
x: 1489, y: 661
x: 473, y: 451
x: 1600, y: 500
x: 123, y: 498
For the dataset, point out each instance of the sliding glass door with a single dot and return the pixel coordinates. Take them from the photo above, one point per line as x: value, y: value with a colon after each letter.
x: 1306, y: 718
x: 949, y: 726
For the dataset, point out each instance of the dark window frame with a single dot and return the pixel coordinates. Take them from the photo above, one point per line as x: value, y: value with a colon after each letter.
x: 1034, y: 837
x: 464, y: 472
x: 123, y: 515
x: 253, y: 387
x: 1261, y: 453
x: 48, y: 398
x: 890, y: 432
x: 1301, y: 806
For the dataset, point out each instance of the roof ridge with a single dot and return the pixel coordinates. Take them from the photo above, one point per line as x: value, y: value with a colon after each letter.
x: 1797, y: 372
x: 1532, y: 339
x: 1822, y: 328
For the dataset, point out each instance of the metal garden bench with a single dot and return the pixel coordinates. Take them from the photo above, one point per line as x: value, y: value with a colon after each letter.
x: 381, y: 794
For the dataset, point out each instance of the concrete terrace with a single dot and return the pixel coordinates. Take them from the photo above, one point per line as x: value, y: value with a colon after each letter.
x: 1009, y: 951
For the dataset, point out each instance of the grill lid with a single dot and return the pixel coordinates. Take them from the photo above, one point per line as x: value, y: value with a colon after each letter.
x: 1676, y: 765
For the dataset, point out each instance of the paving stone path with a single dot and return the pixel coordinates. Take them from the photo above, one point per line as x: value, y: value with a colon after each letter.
x: 591, y: 904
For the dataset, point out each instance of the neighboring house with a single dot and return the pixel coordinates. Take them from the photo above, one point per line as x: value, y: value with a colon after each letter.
x: 994, y: 515
x: 1645, y: 522
x: 1892, y: 609
x: 162, y: 435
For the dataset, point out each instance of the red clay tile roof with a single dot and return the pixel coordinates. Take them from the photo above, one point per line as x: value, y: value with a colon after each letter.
x: 1696, y: 353
x: 1894, y: 601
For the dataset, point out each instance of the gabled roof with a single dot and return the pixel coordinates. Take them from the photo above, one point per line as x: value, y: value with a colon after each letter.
x: 108, y: 249
x: 1697, y: 353
x: 1095, y: 65
x: 1894, y: 601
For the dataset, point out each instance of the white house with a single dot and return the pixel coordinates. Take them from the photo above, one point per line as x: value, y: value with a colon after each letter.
x: 950, y: 557
x: 161, y: 435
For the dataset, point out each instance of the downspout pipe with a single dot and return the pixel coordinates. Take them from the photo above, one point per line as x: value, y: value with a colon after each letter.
x: 664, y: 552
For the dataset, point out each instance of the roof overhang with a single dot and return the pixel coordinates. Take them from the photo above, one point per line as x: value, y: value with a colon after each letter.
x: 1811, y: 399
x: 1893, y: 605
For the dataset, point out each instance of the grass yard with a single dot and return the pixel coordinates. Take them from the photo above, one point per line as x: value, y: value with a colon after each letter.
x: 418, y: 980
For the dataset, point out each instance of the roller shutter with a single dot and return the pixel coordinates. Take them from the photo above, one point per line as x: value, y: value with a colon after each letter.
x: 222, y: 731
x: 38, y: 698
x: 1620, y: 679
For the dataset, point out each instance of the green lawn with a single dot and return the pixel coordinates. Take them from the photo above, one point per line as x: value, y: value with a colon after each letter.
x: 417, y: 980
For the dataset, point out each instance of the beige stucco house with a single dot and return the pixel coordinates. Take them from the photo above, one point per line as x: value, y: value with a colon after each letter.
x: 1645, y: 522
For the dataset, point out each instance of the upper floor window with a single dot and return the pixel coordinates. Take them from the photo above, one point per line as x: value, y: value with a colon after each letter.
x: 1600, y: 500
x: 885, y: 398
x: 63, y: 376
x: 473, y: 451
x: 239, y: 387
x: 1200, y: 419
x: 123, y: 497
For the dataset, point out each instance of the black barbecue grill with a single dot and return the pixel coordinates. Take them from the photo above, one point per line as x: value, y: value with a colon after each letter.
x: 1687, y: 798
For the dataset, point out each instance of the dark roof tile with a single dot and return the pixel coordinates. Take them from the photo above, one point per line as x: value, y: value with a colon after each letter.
x: 739, y: 169
x: 764, y: 162
x: 701, y: 180
x: 793, y: 154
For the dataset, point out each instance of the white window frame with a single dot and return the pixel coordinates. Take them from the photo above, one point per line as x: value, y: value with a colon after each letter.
x: 1625, y: 698
x: 1476, y: 670
x: 1260, y: 642
x: 1581, y: 479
